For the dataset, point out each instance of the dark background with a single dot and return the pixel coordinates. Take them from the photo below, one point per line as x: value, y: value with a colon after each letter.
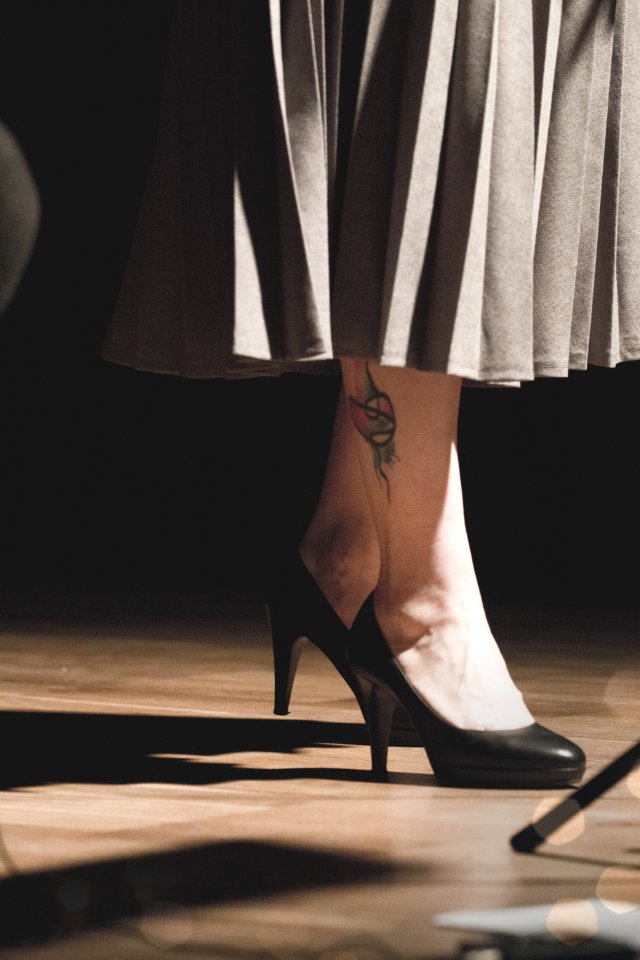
x: 114, y: 478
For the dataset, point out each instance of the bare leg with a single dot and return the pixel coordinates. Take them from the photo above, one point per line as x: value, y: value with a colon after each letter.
x: 340, y: 547
x: 427, y: 599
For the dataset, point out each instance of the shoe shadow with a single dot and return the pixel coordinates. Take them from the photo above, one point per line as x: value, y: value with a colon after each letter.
x: 98, y: 748
x: 157, y: 887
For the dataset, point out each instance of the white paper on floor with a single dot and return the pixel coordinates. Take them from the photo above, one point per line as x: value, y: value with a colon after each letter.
x: 566, y: 920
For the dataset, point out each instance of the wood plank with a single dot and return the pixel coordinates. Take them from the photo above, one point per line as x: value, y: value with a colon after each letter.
x: 147, y: 743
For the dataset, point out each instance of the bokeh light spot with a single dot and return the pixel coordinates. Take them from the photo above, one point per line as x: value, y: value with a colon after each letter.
x: 74, y: 894
x: 569, y: 831
x: 633, y: 782
x: 619, y: 889
x: 572, y: 921
x: 166, y: 925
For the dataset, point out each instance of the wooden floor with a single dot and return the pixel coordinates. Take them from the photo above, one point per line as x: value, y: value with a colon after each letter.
x: 151, y: 804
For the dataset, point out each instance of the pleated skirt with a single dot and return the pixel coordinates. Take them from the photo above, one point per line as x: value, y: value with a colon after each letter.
x: 446, y: 185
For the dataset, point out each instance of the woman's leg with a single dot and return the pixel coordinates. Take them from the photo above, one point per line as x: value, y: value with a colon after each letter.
x: 427, y: 599
x: 340, y: 547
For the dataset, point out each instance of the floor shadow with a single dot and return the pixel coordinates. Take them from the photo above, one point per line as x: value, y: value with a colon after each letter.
x: 98, y: 748
x: 77, y: 898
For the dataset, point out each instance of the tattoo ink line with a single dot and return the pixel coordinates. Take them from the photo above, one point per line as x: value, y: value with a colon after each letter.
x: 374, y: 418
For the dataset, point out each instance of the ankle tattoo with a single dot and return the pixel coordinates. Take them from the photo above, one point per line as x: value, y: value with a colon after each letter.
x: 375, y: 420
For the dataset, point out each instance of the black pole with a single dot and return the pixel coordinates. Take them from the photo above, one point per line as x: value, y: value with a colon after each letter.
x: 530, y: 837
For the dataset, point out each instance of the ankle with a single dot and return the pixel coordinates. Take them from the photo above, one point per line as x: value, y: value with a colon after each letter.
x: 346, y: 549
x: 345, y: 563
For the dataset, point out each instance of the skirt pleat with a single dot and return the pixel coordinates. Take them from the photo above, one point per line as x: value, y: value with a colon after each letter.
x: 628, y: 225
x: 303, y: 176
x: 448, y: 186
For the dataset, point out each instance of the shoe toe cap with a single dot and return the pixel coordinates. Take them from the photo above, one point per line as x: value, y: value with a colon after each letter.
x: 556, y: 749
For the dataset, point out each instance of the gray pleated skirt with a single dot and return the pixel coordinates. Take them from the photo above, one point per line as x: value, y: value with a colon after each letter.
x: 448, y: 185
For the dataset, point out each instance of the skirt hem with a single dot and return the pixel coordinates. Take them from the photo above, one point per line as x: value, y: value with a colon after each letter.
x: 331, y: 365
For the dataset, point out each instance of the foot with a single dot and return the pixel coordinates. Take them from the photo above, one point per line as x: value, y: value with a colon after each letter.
x: 448, y: 653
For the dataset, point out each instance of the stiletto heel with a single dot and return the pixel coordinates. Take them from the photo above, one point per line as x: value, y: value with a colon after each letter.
x: 378, y: 712
x: 530, y: 756
x: 297, y: 611
x: 287, y: 647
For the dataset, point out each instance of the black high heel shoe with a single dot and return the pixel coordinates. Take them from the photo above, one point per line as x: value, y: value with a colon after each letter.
x: 530, y: 756
x: 298, y: 611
